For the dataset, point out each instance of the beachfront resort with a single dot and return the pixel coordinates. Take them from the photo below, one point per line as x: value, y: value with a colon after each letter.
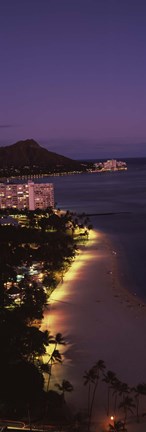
x: 110, y: 165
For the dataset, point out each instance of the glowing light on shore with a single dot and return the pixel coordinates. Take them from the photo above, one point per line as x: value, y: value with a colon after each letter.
x: 65, y: 293
x: 77, y: 265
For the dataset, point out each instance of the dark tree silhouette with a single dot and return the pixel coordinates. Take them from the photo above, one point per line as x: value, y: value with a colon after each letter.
x: 89, y: 378
x: 97, y: 371
x: 109, y: 379
x: 127, y: 405
x: 139, y: 390
x: 118, y: 426
x: 64, y: 387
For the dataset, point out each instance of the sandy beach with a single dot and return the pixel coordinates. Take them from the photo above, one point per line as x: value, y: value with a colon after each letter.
x: 99, y: 319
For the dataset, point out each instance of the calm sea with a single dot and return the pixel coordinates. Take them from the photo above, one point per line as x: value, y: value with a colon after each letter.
x: 124, y: 195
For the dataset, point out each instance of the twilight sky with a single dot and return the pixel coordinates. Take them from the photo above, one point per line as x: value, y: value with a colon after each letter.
x: 73, y: 75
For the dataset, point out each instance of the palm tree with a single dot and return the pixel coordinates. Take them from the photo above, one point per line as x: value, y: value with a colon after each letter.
x: 65, y: 386
x: 97, y: 370
x: 127, y: 404
x: 139, y: 390
x: 116, y: 385
x: 89, y: 378
x: 54, y: 358
x: 59, y: 340
x: 124, y: 390
x: 109, y: 379
x: 117, y: 427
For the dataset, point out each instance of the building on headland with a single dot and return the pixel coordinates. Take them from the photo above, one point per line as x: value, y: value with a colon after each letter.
x: 110, y: 165
x: 28, y: 195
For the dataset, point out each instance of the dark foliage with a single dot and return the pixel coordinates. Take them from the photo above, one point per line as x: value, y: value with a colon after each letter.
x: 22, y: 342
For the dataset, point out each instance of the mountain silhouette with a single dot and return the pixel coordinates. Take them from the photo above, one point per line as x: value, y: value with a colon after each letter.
x: 29, y: 153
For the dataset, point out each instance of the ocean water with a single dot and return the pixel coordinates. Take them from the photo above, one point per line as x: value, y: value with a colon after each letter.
x: 123, y: 194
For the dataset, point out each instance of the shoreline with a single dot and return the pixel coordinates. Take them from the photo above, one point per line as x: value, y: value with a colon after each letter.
x: 100, y: 319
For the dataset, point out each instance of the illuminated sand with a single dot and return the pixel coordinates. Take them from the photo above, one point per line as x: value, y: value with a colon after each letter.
x: 100, y: 320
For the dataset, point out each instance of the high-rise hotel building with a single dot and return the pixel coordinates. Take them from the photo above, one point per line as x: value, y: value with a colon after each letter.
x: 29, y: 195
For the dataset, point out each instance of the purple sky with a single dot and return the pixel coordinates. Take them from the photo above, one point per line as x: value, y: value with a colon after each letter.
x: 73, y: 75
